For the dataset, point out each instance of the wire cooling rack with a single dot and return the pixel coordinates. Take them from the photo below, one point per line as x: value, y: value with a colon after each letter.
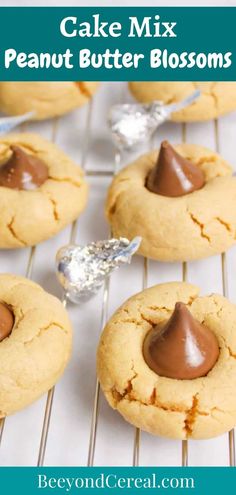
x: 73, y: 425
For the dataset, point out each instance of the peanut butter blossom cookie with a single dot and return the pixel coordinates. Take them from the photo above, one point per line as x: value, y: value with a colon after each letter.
x: 181, y: 200
x: 41, y: 190
x: 217, y: 98
x: 35, y: 342
x: 166, y: 362
x: 46, y: 99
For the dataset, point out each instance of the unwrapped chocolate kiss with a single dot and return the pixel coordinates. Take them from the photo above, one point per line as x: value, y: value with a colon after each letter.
x: 173, y: 175
x: 6, y: 321
x: 22, y: 171
x: 181, y: 348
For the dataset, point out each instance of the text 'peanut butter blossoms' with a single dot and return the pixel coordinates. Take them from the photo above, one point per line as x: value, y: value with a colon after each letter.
x: 41, y: 190
x: 175, y: 200
x: 169, y: 367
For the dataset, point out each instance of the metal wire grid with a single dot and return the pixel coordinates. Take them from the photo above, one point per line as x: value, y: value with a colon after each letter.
x: 137, y: 432
x: 231, y: 433
x: 94, y: 422
x: 104, y: 314
x: 28, y: 274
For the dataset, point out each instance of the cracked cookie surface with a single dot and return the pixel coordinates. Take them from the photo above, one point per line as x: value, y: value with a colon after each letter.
x: 29, y: 217
x: 200, y: 408
x: 35, y: 354
x: 189, y: 227
x: 217, y: 98
x: 47, y: 99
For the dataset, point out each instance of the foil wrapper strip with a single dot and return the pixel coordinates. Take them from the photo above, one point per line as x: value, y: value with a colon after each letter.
x: 132, y: 124
x: 7, y: 124
x: 81, y: 270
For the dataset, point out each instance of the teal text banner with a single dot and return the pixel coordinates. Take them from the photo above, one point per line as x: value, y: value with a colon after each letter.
x: 114, y: 480
x: 125, y: 43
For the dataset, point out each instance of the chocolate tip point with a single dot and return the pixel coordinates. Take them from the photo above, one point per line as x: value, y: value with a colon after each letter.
x: 165, y: 144
x: 15, y: 149
x: 181, y: 309
x: 180, y: 305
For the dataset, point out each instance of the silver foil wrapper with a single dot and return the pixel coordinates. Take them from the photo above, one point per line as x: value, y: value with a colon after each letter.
x: 82, y: 270
x: 133, y: 124
x: 7, y: 124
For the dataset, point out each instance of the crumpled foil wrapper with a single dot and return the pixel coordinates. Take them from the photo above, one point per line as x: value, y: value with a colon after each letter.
x: 82, y: 270
x: 9, y: 123
x: 133, y: 124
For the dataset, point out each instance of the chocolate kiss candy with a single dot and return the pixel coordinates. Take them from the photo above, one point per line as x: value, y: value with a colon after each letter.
x: 173, y: 175
x: 182, y: 348
x: 6, y: 321
x: 22, y: 171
